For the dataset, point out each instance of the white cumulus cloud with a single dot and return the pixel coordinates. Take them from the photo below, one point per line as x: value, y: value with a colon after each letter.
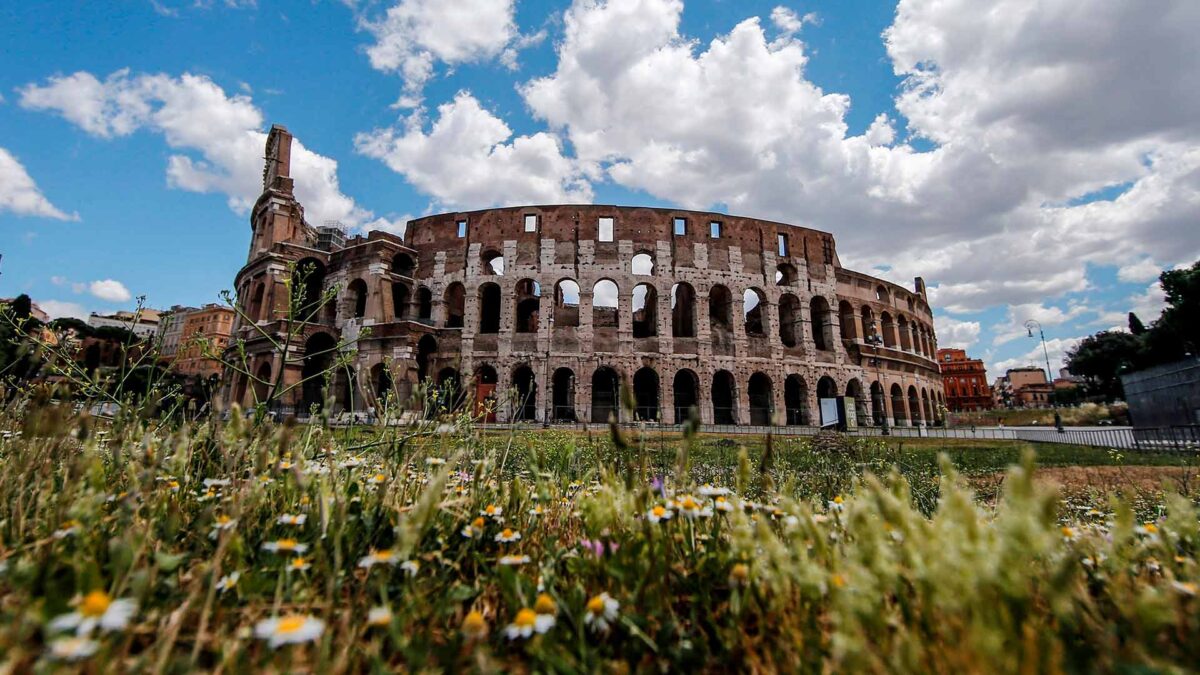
x: 110, y: 290
x: 56, y: 309
x: 19, y: 194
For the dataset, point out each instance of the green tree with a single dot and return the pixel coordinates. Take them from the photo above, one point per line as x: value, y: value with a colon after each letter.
x: 1135, y: 325
x: 1101, y: 358
x: 1181, y: 318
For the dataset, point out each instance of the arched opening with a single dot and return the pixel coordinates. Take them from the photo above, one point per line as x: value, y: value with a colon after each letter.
x: 643, y: 264
x: 352, y: 398
x: 381, y: 380
x: 455, y: 300
x: 683, y: 310
x: 604, y: 304
x: 882, y: 295
x: 926, y: 407
x: 318, y: 357
x: 358, y: 295
x: 485, y: 392
x: 889, y: 330
x: 827, y: 388
x: 450, y: 394
x: 566, y: 304
x: 427, y: 346
x: 878, y: 406
x: 785, y: 274
x: 525, y: 406
x: 309, y: 278
x: 564, y: 395
x: 399, y: 300
x: 914, y: 405
x: 724, y: 398
x: 822, y: 323
x: 255, y: 310
x: 262, y: 382
x: 795, y: 401
x: 424, y: 304
x: 489, y: 308
x: 905, y: 333
x: 868, y: 322
x: 493, y: 264
x: 645, y: 315
x: 686, y: 389
x: 899, y: 413
x: 645, y: 394
x: 754, y: 311
x: 790, y: 320
x: 761, y: 399
x: 606, y: 392
x: 402, y: 264
x: 855, y: 391
x: 529, y: 301
x: 849, y: 321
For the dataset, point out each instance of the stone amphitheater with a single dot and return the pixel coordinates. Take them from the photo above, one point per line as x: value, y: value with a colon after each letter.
x: 543, y: 313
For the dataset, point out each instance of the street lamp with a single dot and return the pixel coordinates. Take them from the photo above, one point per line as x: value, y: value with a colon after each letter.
x: 875, y: 340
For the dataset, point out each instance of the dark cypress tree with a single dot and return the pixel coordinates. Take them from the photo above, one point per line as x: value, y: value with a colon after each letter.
x: 1135, y: 324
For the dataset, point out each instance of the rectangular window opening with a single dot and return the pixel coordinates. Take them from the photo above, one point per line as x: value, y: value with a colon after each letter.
x: 680, y: 225
x: 783, y: 245
x: 714, y: 229
x: 462, y: 229
x: 605, y: 226
x: 531, y: 222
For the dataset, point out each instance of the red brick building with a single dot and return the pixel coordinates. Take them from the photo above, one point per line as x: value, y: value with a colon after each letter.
x: 965, y: 381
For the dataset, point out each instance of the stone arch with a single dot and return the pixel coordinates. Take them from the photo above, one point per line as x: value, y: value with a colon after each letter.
x: 357, y: 291
x: 645, y: 311
x: 795, y: 401
x: 822, y: 323
x: 868, y: 321
x: 455, y: 302
x: 427, y: 347
x: 762, y: 399
x: 724, y: 398
x: 309, y: 277
x: 882, y: 295
x: 720, y: 319
x: 645, y: 394
x: 905, y: 333
x: 489, y: 308
x: 889, y: 330
x: 564, y: 395
x: 262, y: 382
x: 255, y: 309
x: 529, y: 301
x: 786, y: 274
x: 642, y: 264
x: 914, y: 405
x: 854, y: 390
x: 403, y: 264
x: 606, y: 394
x: 484, y: 395
x: 926, y: 407
x: 683, y: 310
x: 399, y: 299
x: 450, y: 391
x: 566, y: 304
x: 878, y: 405
x: 318, y: 357
x: 899, y: 411
x: 492, y: 263
x: 790, y: 320
x: 827, y: 387
x: 849, y: 322
x: 525, y: 388
x: 754, y: 311
x: 381, y: 382
x: 686, y: 390
x: 424, y: 304
x: 605, y: 301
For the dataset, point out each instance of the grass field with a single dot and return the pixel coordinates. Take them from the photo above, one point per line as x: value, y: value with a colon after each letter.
x: 237, y: 548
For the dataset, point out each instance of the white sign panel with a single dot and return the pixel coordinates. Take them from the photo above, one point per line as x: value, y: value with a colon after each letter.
x: 829, y: 412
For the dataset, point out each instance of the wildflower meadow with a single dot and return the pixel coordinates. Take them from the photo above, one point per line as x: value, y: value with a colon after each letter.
x: 230, y: 546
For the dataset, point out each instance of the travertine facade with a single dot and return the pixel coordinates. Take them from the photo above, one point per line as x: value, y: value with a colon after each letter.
x: 747, y: 320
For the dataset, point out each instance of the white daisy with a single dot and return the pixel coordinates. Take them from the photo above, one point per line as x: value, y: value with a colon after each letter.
x: 602, y: 611
x: 285, y: 545
x: 507, y: 536
x: 228, y: 582
x: 411, y: 567
x: 659, y: 513
x: 514, y: 560
x: 379, y: 557
x: 290, y: 629
x: 379, y: 616
x: 526, y: 623
x: 73, y: 648
x: 96, y: 609
x: 289, y: 519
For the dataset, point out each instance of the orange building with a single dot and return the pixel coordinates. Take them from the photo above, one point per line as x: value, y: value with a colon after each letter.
x: 213, y: 323
x: 965, y: 381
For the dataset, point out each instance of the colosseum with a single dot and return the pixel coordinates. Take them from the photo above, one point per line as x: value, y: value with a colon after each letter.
x: 549, y: 310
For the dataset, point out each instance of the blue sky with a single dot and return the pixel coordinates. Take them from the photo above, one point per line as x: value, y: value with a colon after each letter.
x: 926, y: 137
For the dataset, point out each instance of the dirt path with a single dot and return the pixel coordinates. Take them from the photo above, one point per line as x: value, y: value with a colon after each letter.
x: 1075, y: 480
